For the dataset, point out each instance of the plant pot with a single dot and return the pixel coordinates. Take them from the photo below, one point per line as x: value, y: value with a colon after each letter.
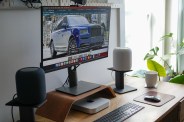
x: 166, y: 79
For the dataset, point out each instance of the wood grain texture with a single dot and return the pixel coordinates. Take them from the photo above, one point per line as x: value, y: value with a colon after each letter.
x: 148, y: 114
x: 58, y: 104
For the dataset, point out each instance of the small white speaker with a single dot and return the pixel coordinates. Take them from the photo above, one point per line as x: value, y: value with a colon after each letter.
x: 122, y: 59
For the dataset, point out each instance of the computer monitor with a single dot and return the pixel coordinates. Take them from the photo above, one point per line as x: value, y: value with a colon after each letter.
x: 71, y: 36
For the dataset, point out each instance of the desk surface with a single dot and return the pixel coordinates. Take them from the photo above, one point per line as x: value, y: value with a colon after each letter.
x: 148, y: 114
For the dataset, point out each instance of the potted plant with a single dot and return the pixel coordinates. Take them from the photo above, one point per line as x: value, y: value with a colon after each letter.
x: 167, y: 69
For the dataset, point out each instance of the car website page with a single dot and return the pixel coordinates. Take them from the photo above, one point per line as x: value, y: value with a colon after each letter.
x: 73, y: 35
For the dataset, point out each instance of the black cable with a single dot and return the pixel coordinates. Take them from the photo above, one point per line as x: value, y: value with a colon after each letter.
x: 66, y: 82
x: 77, y: 66
x: 12, y: 114
x: 12, y: 109
x: 67, y: 79
x: 26, y: 2
x: 37, y: 7
x: 29, y: 4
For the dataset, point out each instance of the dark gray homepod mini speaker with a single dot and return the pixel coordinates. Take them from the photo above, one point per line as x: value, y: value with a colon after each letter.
x: 30, y: 85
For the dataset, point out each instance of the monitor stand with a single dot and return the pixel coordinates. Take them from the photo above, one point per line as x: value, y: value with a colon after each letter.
x: 76, y: 88
x: 119, y: 86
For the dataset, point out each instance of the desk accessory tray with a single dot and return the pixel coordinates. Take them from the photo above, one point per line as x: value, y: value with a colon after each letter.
x: 164, y: 98
x: 58, y: 104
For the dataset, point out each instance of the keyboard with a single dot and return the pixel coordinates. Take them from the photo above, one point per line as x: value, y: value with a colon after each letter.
x: 120, y: 114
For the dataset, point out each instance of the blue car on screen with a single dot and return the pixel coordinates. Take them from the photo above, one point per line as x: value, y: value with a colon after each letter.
x: 73, y: 34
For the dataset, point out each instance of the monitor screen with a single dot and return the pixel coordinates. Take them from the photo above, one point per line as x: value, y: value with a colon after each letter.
x: 73, y: 35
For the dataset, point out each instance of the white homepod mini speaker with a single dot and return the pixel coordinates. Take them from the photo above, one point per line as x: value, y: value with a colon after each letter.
x: 122, y: 63
x: 122, y: 59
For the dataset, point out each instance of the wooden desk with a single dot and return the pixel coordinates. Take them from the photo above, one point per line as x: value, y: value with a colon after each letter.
x: 168, y: 112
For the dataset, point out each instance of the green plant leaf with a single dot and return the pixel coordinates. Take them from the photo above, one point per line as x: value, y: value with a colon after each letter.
x: 169, y: 35
x: 152, y: 53
x: 148, y: 56
x: 182, y: 44
x: 178, y: 79
x: 155, y: 50
x: 153, y: 65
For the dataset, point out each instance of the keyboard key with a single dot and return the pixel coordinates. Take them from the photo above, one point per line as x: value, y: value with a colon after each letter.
x: 120, y: 114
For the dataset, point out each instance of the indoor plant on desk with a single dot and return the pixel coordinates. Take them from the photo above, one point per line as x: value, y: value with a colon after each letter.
x: 167, y: 70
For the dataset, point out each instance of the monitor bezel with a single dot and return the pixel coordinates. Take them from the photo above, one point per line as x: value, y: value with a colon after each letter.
x: 75, y: 64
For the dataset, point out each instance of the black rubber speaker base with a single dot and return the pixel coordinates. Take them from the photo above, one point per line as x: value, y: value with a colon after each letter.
x: 125, y: 90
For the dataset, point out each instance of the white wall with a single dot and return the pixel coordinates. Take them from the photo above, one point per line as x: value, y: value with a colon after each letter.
x: 20, y: 47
